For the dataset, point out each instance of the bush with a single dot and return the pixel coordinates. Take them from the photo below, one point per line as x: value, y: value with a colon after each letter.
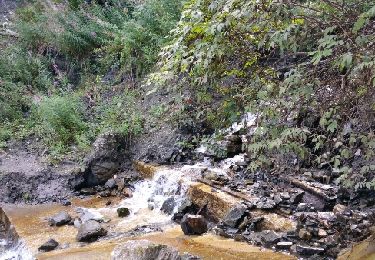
x: 120, y: 115
x: 140, y: 39
x: 61, y: 120
x: 305, y: 69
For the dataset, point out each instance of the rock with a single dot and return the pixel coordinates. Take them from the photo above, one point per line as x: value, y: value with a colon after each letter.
x: 339, y: 209
x: 60, y: 219
x: 234, y: 217
x: 123, y: 212
x: 105, y: 194
x: 277, y: 223
x: 284, y: 245
x: 307, y: 250
x: 297, y: 196
x: 88, y: 191
x: 322, y: 233
x: 104, y: 160
x: 304, y: 234
x: 285, y: 195
x: 266, y: 204
x: 266, y: 237
x: 48, y: 246
x: 110, y: 184
x: 216, y: 175
x: 89, y: 214
x: 66, y: 203
x: 146, y: 170
x: 193, y: 224
x: 218, y: 204
x: 90, y: 231
x: 168, y: 206
x: 302, y: 207
x: 146, y: 250
x: 127, y: 193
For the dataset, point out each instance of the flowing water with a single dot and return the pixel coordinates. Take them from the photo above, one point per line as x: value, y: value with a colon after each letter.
x: 148, y: 197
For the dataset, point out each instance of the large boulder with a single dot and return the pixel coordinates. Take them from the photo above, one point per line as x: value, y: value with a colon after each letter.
x: 146, y: 250
x: 193, y: 224
x: 104, y: 161
x: 90, y: 231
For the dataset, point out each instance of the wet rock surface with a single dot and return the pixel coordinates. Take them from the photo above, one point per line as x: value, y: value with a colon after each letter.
x: 90, y: 231
x: 146, y: 250
x: 49, y: 246
x: 60, y: 219
x: 123, y: 212
x: 193, y: 224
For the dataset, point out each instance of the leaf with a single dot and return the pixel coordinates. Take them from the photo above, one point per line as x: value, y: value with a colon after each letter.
x: 332, y: 126
x: 346, y: 61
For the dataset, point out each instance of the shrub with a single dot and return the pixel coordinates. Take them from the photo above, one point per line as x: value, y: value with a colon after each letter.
x: 60, y: 119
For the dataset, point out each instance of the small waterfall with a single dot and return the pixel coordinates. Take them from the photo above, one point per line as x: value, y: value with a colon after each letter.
x: 149, y: 196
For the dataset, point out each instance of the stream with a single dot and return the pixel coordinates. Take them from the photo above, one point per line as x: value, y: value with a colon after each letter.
x: 146, y: 221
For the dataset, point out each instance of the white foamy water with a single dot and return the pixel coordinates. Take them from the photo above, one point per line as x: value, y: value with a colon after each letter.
x: 16, y: 252
x: 149, y: 196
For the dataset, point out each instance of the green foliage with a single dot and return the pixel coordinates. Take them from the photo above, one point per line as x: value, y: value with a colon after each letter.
x: 298, y: 67
x: 138, y: 40
x: 60, y: 120
x: 120, y: 115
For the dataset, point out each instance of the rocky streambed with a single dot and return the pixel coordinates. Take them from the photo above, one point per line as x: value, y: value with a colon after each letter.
x: 93, y: 228
x: 178, y: 213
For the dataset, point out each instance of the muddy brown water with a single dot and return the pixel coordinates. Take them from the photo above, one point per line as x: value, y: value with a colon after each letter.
x: 32, y: 227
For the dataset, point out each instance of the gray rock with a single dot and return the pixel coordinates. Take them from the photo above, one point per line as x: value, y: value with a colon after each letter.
x: 123, y: 212
x: 88, y: 191
x: 90, y: 231
x: 266, y: 204
x: 307, y: 250
x: 266, y: 237
x: 235, y: 215
x: 88, y: 214
x: 304, y: 234
x: 60, y: 219
x: 168, y: 206
x: 284, y: 245
x: 48, y: 246
x: 146, y: 250
x: 105, y: 158
x: 110, y: 184
x: 193, y: 224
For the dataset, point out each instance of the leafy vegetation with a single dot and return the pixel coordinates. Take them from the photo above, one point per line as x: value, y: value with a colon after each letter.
x: 53, y: 79
x: 304, y: 68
